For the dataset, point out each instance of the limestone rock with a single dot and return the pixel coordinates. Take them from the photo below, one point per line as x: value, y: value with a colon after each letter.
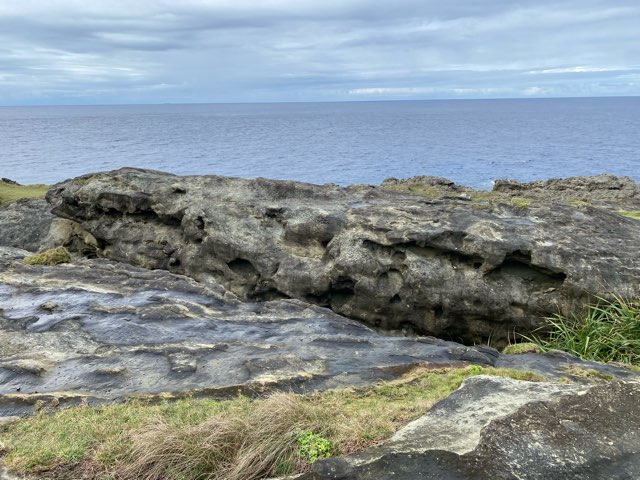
x: 25, y: 224
x: 99, y: 330
x: 450, y: 266
x: 607, y: 190
x: 504, y: 429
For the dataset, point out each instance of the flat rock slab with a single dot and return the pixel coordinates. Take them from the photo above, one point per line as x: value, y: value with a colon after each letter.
x: 99, y: 330
x: 464, y: 267
x: 506, y: 429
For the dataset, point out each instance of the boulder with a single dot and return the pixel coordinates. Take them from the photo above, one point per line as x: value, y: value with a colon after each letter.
x: 25, y: 224
x: 501, y: 428
x: 452, y: 266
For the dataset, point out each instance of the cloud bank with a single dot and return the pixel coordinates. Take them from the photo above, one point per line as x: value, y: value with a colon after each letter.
x: 143, y: 51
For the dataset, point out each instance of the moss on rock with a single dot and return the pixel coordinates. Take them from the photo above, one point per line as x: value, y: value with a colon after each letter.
x: 53, y: 256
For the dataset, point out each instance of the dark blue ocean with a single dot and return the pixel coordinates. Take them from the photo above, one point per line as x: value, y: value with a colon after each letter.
x: 469, y: 141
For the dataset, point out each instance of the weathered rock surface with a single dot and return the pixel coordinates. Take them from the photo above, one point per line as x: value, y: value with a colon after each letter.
x: 606, y: 190
x: 98, y: 330
x: 25, y: 224
x: 506, y: 429
x: 448, y: 266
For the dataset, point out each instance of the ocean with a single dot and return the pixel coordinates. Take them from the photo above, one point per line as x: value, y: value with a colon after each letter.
x: 471, y: 142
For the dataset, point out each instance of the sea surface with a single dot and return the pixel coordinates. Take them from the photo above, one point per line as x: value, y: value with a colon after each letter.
x: 471, y: 142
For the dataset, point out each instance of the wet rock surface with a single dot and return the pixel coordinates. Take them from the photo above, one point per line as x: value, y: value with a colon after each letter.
x: 453, y: 266
x: 97, y: 330
x: 501, y: 428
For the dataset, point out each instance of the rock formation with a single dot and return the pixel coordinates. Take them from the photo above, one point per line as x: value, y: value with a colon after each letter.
x: 503, y: 429
x: 25, y: 224
x: 606, y: 190
x: 453, y: 266
x: 422, y: 255
x: 98, y: 330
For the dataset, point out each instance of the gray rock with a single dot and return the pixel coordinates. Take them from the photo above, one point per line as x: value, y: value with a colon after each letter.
x: 449, y: 265
x: 505, y: 429
x: 12, y: 253
x: 606, y: 190
x: 111, y: 330
x: 25, y: 224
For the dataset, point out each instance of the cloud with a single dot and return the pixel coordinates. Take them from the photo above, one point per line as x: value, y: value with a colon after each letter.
x: 59, y: 51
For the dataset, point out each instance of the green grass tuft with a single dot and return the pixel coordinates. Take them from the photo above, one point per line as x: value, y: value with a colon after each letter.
x: 239, y: 439
x: 524, y: 347
x: 53, y: 256
x: 520, y: 202
x: 608, y: 331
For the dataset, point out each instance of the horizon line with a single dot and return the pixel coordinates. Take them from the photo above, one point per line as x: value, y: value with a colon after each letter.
x: 445, y: 99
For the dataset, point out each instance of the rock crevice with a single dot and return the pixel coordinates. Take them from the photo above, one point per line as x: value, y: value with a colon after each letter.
x: 454, y: 268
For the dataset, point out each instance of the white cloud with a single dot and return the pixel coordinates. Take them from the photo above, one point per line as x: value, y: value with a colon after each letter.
x: 576, y: 69
x: 535, y: 91
x: 242, y: 50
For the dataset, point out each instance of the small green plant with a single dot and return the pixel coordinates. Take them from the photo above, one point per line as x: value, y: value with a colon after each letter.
x: 607, y: 331
x: 635, y: 214
x: 313, y: 447
x: 53, y: 256
x: 520, y: 202
x: 524, y: 347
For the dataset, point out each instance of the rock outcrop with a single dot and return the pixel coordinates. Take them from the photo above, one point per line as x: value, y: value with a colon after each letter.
x: 97, y: 330
x: 501, y: 428
x: 452, y: 266
x: 605, y: 190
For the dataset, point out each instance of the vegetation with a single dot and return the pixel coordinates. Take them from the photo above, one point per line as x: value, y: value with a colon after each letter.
x: 519, y: 202
x: 630, y: 213
x: 53, y: 256
x: 608, y: 331
x: 577, y: 372
x: 230, y: 439
x: 524, y: 347
x: 10, y: 192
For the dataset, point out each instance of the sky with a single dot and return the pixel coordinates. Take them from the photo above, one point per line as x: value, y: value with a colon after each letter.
x: 206, y: 51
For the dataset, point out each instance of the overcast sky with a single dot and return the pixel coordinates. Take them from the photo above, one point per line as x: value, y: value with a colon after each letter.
x: 156, y: 51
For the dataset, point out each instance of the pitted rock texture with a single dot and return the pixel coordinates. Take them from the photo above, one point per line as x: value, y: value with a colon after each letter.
x: 25, y: 224
x: 99, y: 330
x: 506, y: 429
x: 606, y: 190
x: 452, y: 267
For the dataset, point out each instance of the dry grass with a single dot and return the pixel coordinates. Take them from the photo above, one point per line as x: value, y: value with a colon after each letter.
x: 240, y: 439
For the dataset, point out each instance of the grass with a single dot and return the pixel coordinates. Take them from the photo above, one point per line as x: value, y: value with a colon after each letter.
x: 607, y: 331
x: 520, y: 202
x: 630, y: 213
x: 240, y: 439
x: 10, y: 193
x: 519, y: 348
x: 53, y: 256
